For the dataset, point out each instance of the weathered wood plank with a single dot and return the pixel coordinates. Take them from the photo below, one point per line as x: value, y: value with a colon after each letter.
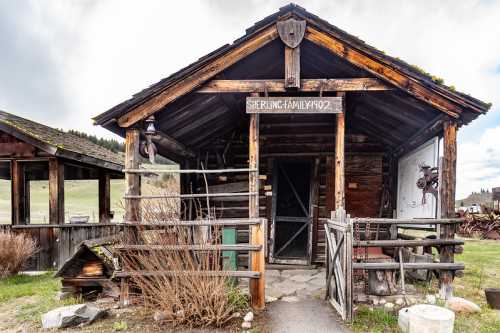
x: 447, y: 196
x: 257, y: 233
x: 132, y: 180
x: 339, y: 157
x: 56, y: 191
x: 306, y: 85
x: 302, y: 105
x: 292, y: 67
x: 104, y: 197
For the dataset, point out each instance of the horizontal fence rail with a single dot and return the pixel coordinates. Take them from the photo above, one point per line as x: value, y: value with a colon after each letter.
x: 199, y: 171
x: 189, y: 196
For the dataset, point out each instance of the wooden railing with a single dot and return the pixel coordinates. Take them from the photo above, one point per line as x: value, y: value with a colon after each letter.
x: 257, y: 226
x: 339, y: 254
x: 57, y: 242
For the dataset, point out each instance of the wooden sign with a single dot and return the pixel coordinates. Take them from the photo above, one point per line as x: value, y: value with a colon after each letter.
x: 294, y: 104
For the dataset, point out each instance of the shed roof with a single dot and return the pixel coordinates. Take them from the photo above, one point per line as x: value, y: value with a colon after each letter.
x: 59, y: 143
x: 471, y: 106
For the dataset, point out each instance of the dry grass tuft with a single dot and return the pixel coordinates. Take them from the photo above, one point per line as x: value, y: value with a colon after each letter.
x: 15, y: 250
x: 194, y: 299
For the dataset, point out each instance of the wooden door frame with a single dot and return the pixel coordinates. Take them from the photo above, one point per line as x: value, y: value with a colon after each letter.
x: 308, y: 258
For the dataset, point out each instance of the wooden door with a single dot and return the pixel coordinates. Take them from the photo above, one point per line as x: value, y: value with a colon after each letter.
x: 292, y: 214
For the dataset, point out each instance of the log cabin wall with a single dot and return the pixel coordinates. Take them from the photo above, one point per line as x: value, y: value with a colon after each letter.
x: 298, y: 137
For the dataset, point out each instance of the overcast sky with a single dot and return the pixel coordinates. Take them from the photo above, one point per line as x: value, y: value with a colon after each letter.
x: 63, y: 62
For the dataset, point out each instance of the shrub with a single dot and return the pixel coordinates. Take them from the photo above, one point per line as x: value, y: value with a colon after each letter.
x: 15, y: 250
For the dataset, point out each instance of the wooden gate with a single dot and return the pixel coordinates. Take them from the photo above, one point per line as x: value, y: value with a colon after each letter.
x: 338, y: 230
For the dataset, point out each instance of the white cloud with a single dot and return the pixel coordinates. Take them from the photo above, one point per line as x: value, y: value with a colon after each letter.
x: 478, y: 163
x: 101, y: 52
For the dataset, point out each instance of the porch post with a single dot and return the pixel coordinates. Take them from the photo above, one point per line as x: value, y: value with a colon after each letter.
x: 56, y: 191
x: 132, y: 180
x: 18, y: 197
x: 104, y: 197
x: 448, y: 181
x: 257, y: 286
x: 339, y: 157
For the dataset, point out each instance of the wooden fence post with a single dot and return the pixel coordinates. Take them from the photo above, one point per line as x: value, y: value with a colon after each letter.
x: 257, y: 232
x: 448, y: 181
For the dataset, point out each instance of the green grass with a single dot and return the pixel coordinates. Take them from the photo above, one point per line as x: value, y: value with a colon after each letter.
x: 80, y: 198
x: 482, y: 270
x: 36, y: 292
x: 374, y: 320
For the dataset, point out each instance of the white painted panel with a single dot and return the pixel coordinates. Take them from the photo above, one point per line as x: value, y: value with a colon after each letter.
x: 409, y: 201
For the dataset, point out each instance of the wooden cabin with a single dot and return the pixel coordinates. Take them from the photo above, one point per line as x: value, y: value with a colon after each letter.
x: 296, y: 119
x: 30, y: 151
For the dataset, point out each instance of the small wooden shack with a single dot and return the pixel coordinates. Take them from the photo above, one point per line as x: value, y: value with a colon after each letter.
x: 297, y: 119
x: 30, y: 151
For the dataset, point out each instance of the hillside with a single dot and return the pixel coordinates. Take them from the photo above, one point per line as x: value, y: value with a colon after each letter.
x: 483, y: 197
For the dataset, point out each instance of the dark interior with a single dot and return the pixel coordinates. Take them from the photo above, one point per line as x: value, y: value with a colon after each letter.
x: 292, y: 200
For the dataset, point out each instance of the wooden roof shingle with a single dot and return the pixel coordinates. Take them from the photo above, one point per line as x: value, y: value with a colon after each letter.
x: 59, y: 143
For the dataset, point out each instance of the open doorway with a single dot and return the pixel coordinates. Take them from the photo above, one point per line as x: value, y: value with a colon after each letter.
x: 291, y: 225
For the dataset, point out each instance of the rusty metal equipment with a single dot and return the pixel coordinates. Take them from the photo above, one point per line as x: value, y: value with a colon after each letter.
x: 428, y: 183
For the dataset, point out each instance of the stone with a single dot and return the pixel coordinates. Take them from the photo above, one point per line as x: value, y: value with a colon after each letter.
x: 288, y: 287
x: 72, y: 315
x: 248, y: 316
x: 290, y: 299
x: 301, y: 278
x: 461, y: 305
x: 62, y: 295
x: 246, y: 325
x: 274, y: 292
x: 272, y: 273
x: 382, y: 301
x: 292, y: 272
x: 236, y: 315
x: 270, y: 299
x: 389, y: 306
x: 159, y: 316
x: 431, y: 299
x: 426, y: 318
x: 375, y: 301
x: 400, y: 301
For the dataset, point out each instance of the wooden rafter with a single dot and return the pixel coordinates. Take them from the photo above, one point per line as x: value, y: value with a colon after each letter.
x: 382, y: 71
x: 306, y: 85
x: 199, y: 77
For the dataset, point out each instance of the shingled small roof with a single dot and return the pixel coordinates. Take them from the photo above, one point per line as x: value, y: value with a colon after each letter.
x: 59, y: 143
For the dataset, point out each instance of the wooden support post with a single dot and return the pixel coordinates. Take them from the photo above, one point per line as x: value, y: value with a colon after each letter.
x: 104, y: 197
x: 132, y: 180
x: 56, y: 191
x: 448, y: 181
x: 292, y: 67
x: 339, y: 157
x: 18, y: 197
x: 257, y: 232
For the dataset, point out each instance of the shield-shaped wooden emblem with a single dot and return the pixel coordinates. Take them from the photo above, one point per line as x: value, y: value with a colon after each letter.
x: 291, y: 32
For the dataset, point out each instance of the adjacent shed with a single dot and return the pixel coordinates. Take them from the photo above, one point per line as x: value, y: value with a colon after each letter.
x: 30, y: 151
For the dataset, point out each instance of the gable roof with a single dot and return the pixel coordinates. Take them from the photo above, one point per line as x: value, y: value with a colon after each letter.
x: 394, y: 71
x: 59, y: 143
